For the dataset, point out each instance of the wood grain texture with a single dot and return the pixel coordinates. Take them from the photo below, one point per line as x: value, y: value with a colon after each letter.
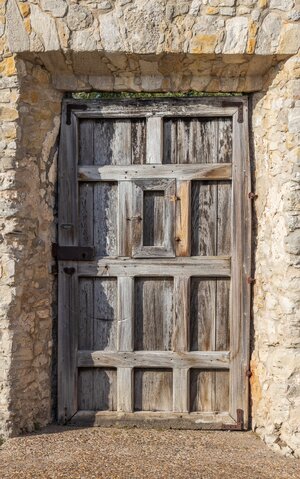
x: 97, y: 389
x: 153, y: 313
x: 208, y: 266
x: 153, y: 390
x: 154, y: 140
x: 163, y: 306
x: 148, y: 359
x: 218, y: 171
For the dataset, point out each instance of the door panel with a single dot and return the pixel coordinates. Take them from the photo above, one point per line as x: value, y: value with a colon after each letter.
x: 156, y: 327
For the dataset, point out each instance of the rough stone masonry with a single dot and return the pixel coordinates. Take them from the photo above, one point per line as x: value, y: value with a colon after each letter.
x: 49, y: 47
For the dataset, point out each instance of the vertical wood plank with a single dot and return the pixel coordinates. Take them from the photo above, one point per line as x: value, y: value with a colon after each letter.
x: 125, y: 389
x: 183, y: 218
x: 125, y: 313
x: 154, y: 142
x: 67, y: 182
x: 153, y: 316
x: 153, y: 390
x: 68, y: 309
x: 241, y: 264
x: 181, y: 389
x: 138, y: 141
x: 105, y: 314
x: 105, y: 218
x: 125, y: 218
x: 180, y: 340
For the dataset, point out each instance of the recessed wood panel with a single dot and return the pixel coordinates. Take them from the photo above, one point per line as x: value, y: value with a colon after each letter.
x: 209, y: 391
x: 111, y: 141
x: 97, y: 389
x: 153, y: 315
x: 153, y: 390
x: 153, y: 218
x: 97, y: 217
x: 98, y: 314
x: 210, y: 218
x: 209, y: 314
x: 197, y: 140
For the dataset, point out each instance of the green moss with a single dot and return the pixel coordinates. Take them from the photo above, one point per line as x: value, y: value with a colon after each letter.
x: 119, y: 95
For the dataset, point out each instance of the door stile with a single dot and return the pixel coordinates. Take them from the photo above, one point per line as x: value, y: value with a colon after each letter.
x: 240, y: 317
x: 68, y: 307
x: 68, y: 310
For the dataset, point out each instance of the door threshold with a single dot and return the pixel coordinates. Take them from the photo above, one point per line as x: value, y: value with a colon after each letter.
x: 155, y: 420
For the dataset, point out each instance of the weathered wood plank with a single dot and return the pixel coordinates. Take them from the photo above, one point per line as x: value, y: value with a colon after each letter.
x: 153, y: 390
x: 180, y: 339
x: 154, y: 140
x: 125, y: 390
x: 217, y: 171
x: 125, y: 218
x: 183, y: 218
x: 68, y: 310
x: 153, y: 325
x: 205, y: 266
x: 138, y: 141
x: 148, y: 359
x: 125, y: 313
x: 105, y: 219
x: 181, y: 389
x: 105, y: 314
x: 151, y: 419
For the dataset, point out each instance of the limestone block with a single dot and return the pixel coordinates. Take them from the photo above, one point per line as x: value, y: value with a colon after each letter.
x: 284, y: 5
x: 18, y: 39
x: 294, y: 120
x: 289, y: 38
x: 268, y: 34
x: 236, y: 35
x: 57, y: 8
x: 44, y: 26
x: 79, y: 18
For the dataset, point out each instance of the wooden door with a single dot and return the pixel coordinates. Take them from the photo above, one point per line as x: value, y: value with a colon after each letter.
x: 154, y: 260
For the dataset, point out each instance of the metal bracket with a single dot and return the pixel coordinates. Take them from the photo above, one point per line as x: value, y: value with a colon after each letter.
x: 239, y: 426
x: 73, y: 253
x: 70, y: 107
x: 239, y: 105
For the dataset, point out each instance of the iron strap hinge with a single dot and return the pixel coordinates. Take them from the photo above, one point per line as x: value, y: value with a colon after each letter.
x: 73, y: 253
x: 70, y: 107
x: 237, y: 104
x: 239, y: 425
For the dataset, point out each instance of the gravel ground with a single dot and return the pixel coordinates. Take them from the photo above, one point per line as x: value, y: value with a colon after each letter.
x: 96, y: 453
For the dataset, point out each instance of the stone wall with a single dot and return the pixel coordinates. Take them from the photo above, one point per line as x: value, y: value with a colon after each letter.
x: 276, y: 309
x: 52, y: 46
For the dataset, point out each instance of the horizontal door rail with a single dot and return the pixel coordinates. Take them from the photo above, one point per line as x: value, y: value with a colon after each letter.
x: 211, y: 171
x: 156, y: 359
x: 208, y: 266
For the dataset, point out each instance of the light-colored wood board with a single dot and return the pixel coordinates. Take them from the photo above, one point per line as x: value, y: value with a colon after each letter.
x: 194, y: 266
x: 138, y: 141
x: 153, y: 314
x: 180, y: 339
x: 217, y: 171
x: 203, y: 314
x: 148, y: 359
x: 181, y: 390
x: 183, y: 218
x: 125, y: 313
x: 125, y: 390
x: 153, y: 390
x: 154, y: 140
x: 105, y: 314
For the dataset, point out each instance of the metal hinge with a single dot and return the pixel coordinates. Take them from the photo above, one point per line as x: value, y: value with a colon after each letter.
x: 73, y: 253
x: 239, y: 426
x: 239, y: 105
x: 70, y: 107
